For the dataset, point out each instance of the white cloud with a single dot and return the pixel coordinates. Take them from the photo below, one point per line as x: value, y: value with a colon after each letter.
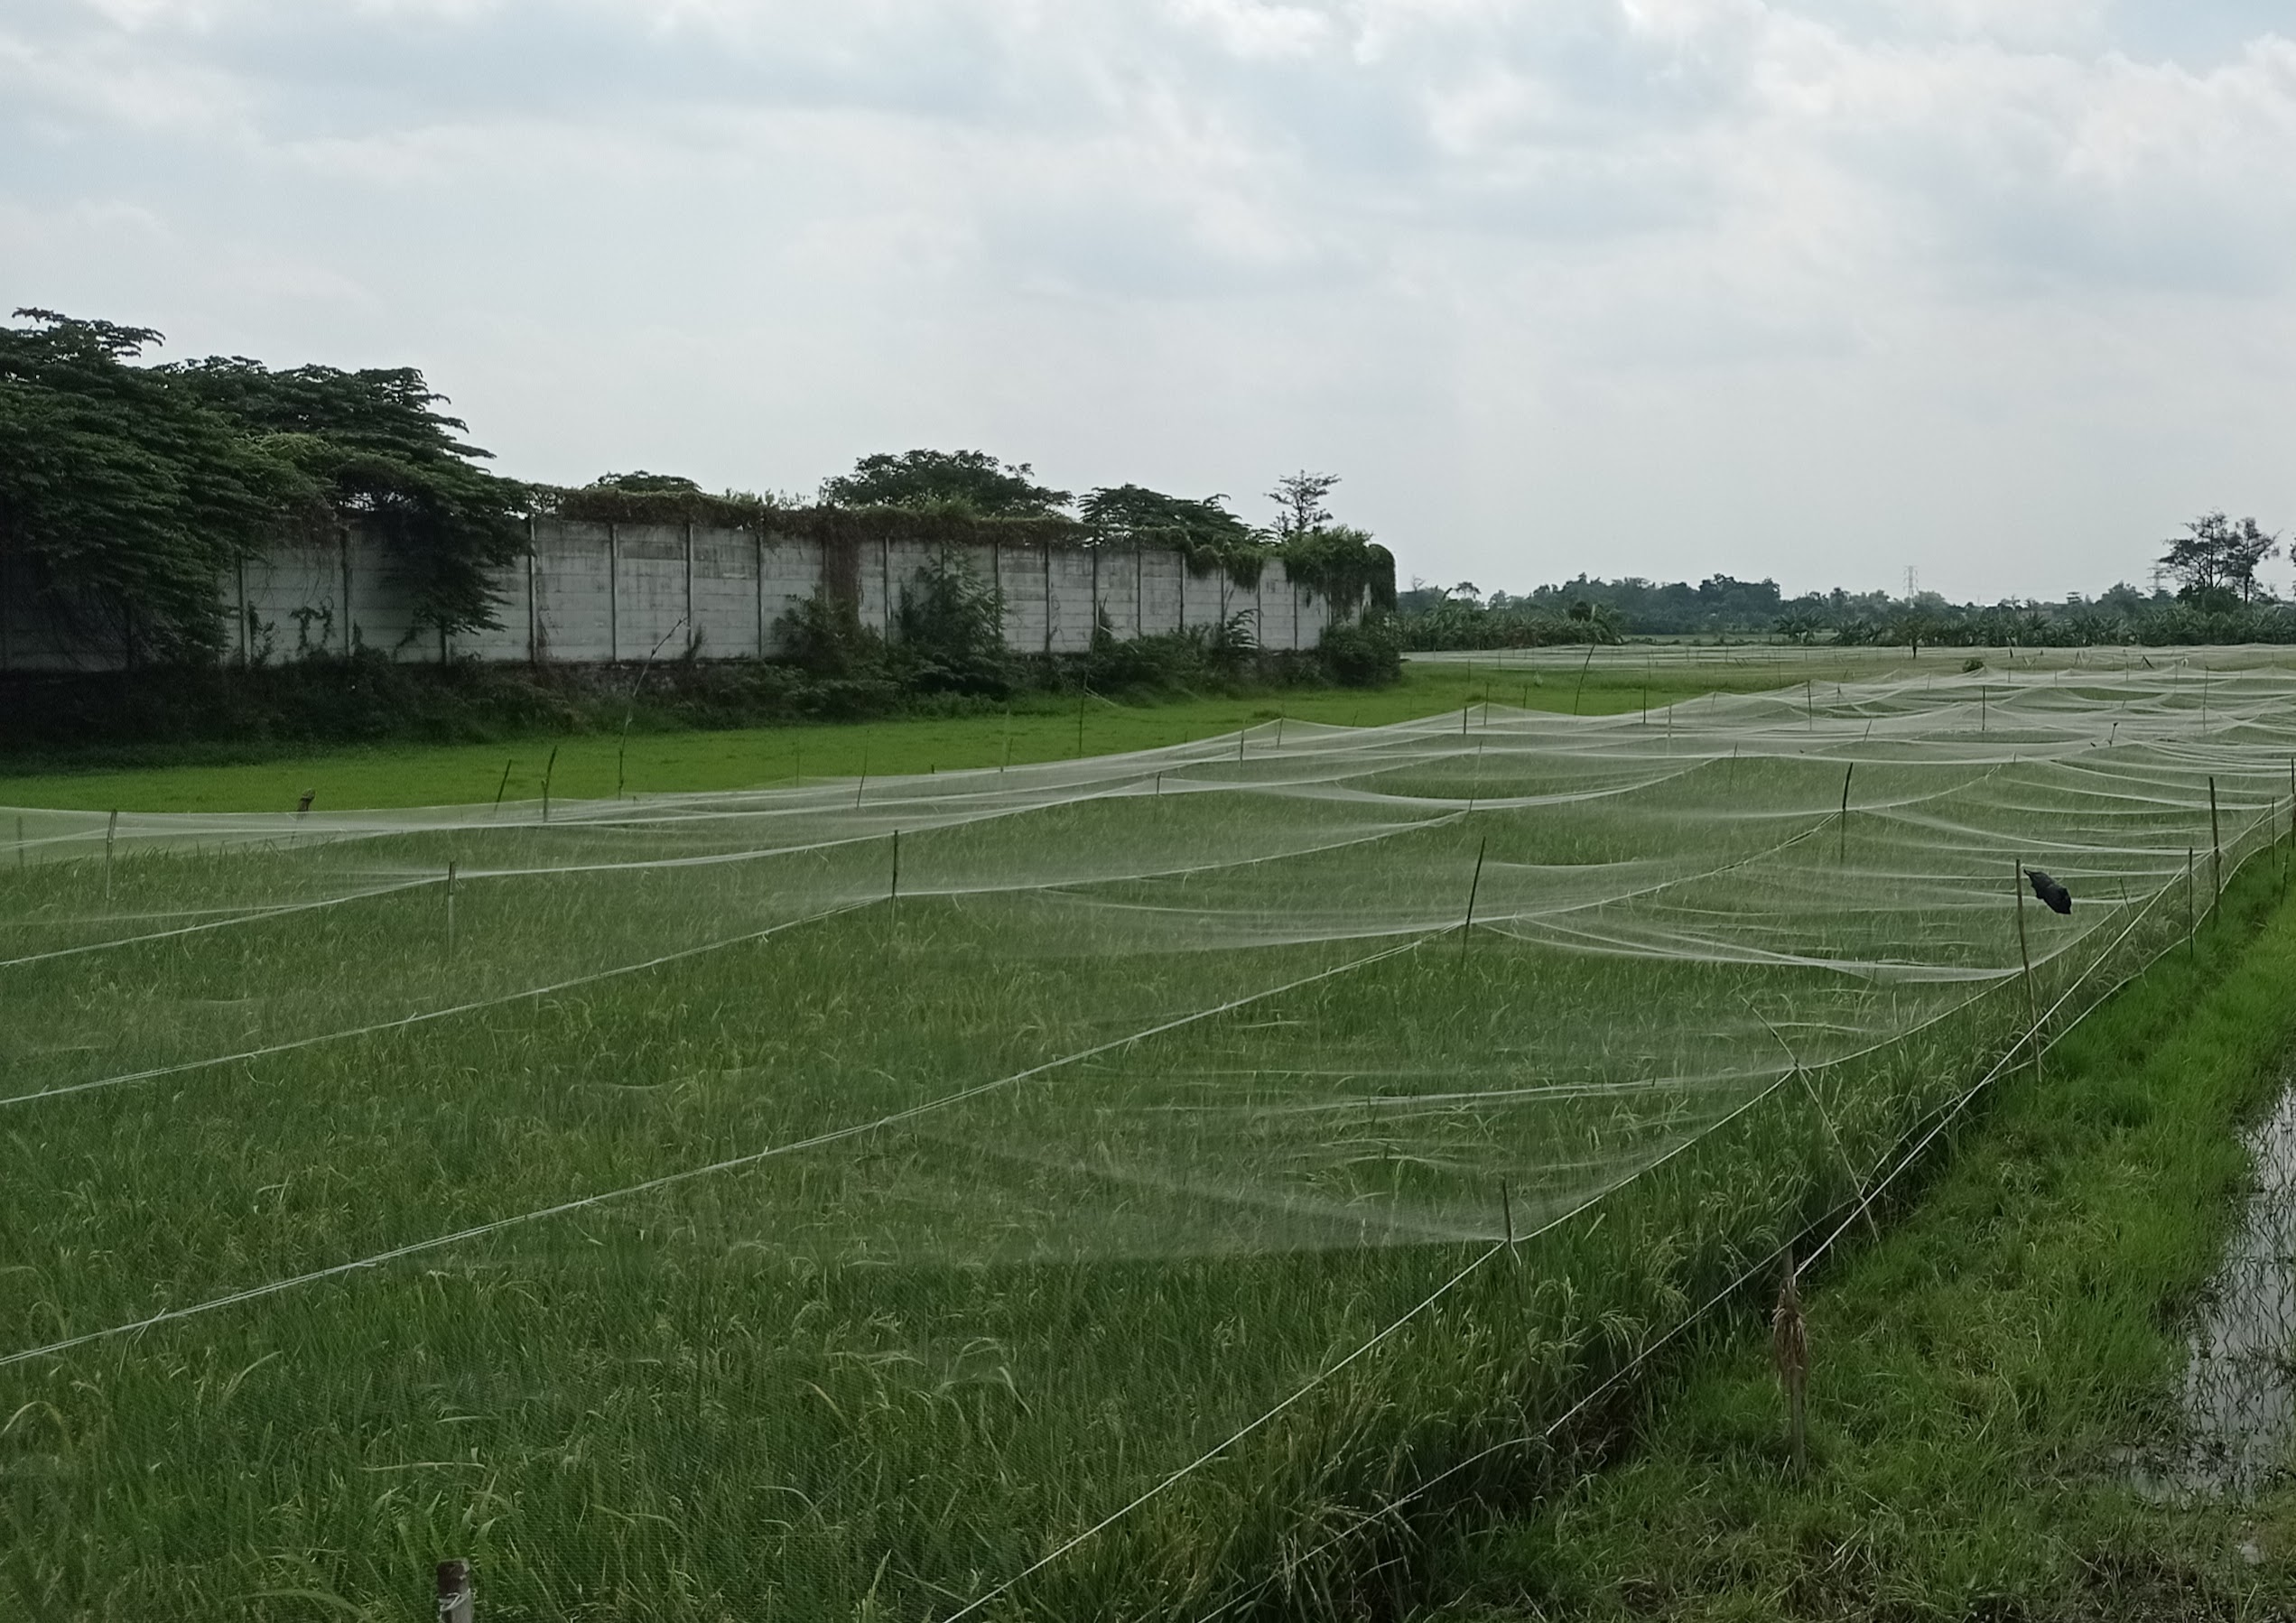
x: 1816, y: 287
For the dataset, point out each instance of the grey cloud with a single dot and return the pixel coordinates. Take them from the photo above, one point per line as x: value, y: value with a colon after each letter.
x: 1701, y: 248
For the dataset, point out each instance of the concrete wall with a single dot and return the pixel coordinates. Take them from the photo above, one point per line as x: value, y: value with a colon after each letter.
x: 594, y: 592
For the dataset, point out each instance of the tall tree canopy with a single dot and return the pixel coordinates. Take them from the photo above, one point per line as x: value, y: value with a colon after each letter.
x: 374, y: 442
x: 1125, y: 511
x: 970, y: 479
x: 123, y: 501
x: 2218, y: 557
x: 127, y: 492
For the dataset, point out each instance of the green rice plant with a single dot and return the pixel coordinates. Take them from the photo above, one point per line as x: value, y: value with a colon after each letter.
x: 1168, y: 1218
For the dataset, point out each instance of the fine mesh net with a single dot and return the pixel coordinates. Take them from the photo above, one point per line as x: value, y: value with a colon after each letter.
x: 1140, y: 1185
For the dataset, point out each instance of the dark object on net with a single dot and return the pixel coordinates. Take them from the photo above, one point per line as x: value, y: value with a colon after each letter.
x: 2056, y: 897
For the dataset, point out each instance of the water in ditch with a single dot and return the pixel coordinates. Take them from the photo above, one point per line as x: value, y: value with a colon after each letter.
x: 2239, y: 1400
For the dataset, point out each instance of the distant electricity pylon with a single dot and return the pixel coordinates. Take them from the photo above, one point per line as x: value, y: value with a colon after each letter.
x: 1912, y: 583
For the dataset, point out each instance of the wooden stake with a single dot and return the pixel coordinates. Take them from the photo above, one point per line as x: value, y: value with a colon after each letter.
x: 2189, y: 935
x: 20, y: 849
x: 1506, y: 1215
x: 111, y: 832
x: 1467, y: 929
x: 1790, y: 1348
x: 450, y: 907
x: 1584, y: 667
x: 549, y: 767
x: 862, y: 782
x: 895, y: 893
x: 1845, y: 810
x: 458, y: 1596
x: 2033, y: 1003
x: 498, y: 788
x: 2215, y: 851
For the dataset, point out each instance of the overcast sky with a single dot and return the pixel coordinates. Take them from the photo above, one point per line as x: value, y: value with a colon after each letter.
x: 2003, y: 290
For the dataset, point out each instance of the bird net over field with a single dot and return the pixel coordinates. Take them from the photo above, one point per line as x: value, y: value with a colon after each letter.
x: 1138, y: 1185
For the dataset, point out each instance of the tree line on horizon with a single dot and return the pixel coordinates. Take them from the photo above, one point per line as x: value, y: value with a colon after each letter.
x: 129, y: 491
x: 2215, y: 597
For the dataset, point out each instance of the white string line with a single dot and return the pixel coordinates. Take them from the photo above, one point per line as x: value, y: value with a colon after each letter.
x: 757, y: 853
x: 1564, y: 1216
x: 183, y: 1067
x: 420, y: 1017
x: 425, y: 1016
x: 1544, y: 1435
x: 2001, y: 1066
x: 832, y: 1136
x: 1102, y: 779
x: 253, y: 917
x: 1950, y: 1110
x: 1605, y: 1192
x: 1217, y: 1449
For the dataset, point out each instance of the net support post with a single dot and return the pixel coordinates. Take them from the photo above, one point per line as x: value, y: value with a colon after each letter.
x: 458, y: 1597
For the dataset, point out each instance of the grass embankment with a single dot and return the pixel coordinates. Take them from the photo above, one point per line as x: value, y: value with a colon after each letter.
x: 1039, y: 728
x: 1978, y: 1374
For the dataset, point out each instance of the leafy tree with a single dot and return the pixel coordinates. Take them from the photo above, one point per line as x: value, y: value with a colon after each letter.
x: 1299, y: 503
x: 2217, y: 558
x: 1127, y: 511
x: 1203, y: 530
x: 970, y: 479
x: 373, y: 442
x: 642, y: 483
x: 950, y: 631
x: 124, y: 501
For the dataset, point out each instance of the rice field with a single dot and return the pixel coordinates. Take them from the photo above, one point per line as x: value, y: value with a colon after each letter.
x: 1143, y: 1185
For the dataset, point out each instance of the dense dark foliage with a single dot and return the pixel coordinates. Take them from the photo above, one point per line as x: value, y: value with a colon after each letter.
x: 128, y: 493
x: 972, y: 480
x: 124, y: 500
x: 373, y: 443
x: 2219, y: 601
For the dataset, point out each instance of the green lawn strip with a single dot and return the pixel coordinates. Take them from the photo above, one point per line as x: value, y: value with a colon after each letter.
x: 1041, y: 728
x: 1976, y: 1374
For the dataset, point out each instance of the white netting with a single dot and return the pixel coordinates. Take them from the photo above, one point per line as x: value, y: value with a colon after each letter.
x: 685, y: 1219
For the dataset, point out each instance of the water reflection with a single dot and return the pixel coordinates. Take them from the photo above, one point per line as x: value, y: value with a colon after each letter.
x: 2239, y: 1400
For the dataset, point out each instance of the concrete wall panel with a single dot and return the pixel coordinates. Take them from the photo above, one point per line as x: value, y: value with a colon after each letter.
x: 592, y: 592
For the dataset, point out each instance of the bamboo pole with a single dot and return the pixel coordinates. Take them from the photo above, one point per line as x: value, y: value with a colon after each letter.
x: 2215, y: 851
x: 549, y: 767
x: 1474, y: 885
x: 450, y: 907
x: 111, y: 833
x: 458, y: 1596
x: 1845, y: 810
x: 2033, y: 1003
x: 1790, y: 1348
x: 498, y: 788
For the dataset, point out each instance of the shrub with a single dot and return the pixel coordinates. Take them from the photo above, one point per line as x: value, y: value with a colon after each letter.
x: 1364, y: 653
